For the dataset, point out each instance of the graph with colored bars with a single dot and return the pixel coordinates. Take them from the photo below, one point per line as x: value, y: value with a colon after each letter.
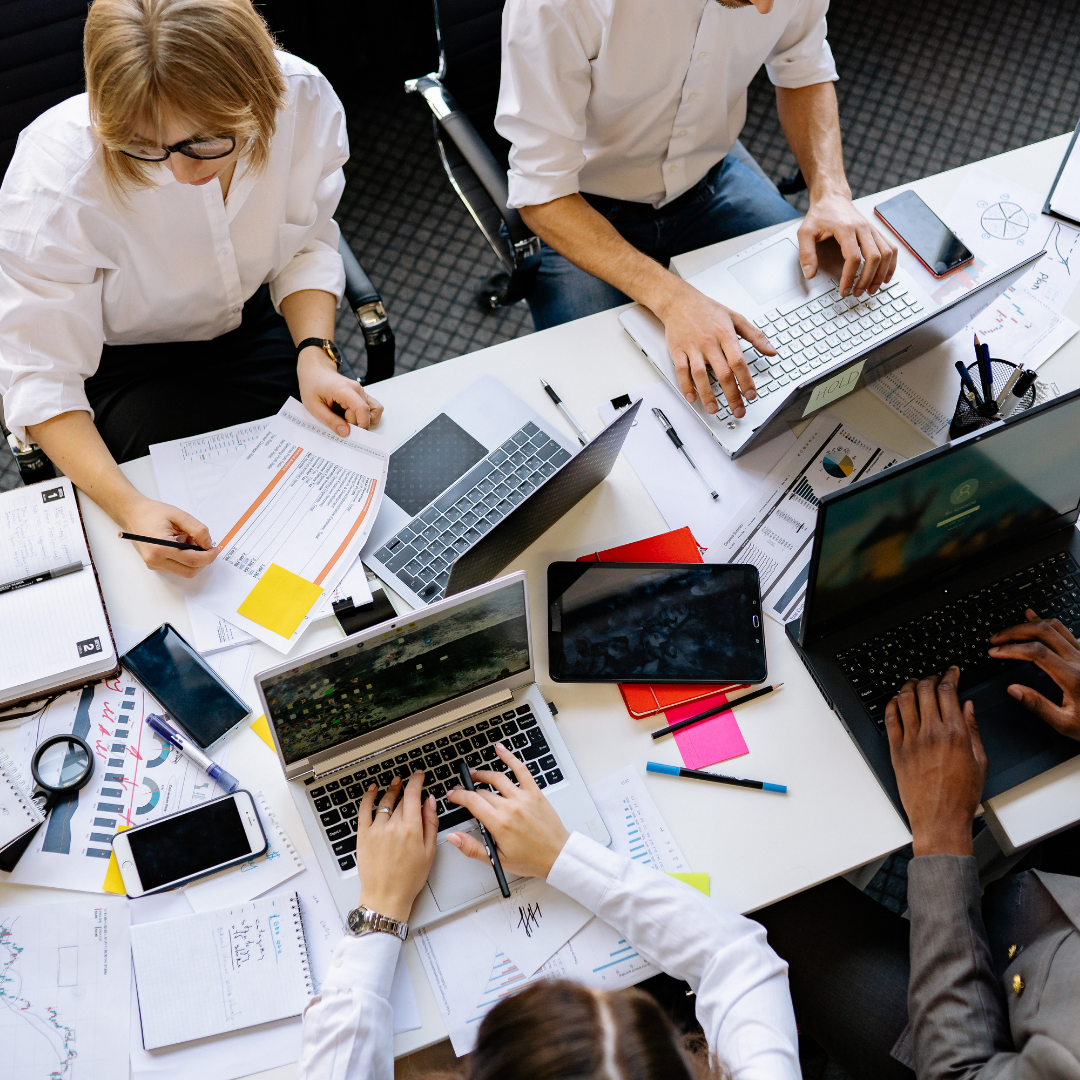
x: 649, y: 840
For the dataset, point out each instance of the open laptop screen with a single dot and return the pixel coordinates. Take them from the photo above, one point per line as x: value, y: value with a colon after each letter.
x: 413, y: 667
x: 944, y: 511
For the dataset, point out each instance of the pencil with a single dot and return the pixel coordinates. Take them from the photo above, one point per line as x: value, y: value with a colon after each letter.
x: 659, y: 733
x: 161, y: 543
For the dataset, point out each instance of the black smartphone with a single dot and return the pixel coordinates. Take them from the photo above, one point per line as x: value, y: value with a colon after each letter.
x: 187, y: 687
x: 655, y: 623
x: 923, y: 233
x: 181, y: 847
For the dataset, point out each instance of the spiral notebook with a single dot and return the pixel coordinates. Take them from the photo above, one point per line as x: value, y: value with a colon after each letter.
x: 220, y: 971
x: 18, y: 813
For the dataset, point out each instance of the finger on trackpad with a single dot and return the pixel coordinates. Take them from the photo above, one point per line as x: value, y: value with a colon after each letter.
x: 456, y: 879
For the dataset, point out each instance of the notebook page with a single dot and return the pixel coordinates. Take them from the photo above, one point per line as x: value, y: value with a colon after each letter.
x: 17, y: 812
x: 220, y: 970
x: 54, y: 627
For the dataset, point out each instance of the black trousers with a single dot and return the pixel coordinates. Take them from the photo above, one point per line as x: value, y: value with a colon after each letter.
x: 143, y: 394
x: 849, y: 961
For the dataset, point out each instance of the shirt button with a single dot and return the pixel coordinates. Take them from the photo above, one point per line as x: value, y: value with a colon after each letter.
x: 1017, y: 985
x: 235, y: 311
x: 682, y: 133
x: 693, y: 96
x: 224, y: 251
x: 672, y: 168
x: 702, y: 55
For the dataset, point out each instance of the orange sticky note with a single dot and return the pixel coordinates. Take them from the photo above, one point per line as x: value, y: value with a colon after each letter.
x: 280, y: 600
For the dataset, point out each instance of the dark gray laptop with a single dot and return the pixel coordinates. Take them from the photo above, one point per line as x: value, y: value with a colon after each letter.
x: 915, y: 568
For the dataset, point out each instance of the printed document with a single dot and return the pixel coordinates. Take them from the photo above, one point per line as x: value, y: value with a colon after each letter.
x: 774, y: 529
x: 469, y: 974
x: 187, y: 471
x: 64, y: 985
x: 290, y: 519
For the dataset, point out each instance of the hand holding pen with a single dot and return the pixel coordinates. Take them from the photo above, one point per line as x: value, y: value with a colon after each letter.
x: 169, y: 538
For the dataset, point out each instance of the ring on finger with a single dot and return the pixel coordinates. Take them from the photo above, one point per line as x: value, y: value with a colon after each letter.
x: 384, y: 810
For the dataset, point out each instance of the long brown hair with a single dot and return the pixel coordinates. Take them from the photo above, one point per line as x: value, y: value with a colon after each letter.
x: 210, y: 62
x: 559, y: 1030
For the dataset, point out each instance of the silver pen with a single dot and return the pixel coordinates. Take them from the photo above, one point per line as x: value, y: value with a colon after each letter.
x: 582, y: 437
x: 1018, y: 371
x: 673, y: 435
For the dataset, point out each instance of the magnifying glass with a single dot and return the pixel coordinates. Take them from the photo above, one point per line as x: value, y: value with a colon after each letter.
x: 61, y: 765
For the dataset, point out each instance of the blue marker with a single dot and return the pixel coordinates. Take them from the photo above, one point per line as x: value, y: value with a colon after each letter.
x: 716, y: 778
x: 160, y: 726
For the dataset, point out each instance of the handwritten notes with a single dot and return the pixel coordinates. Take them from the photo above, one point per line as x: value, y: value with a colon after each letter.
x: 534, y: 924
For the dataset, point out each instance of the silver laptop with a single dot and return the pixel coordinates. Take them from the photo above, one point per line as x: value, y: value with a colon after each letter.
x: 427, y: 690
x: 474, y: 486
x: 825, y: 343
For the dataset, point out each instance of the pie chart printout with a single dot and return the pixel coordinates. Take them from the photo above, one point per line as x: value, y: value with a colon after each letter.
x: 1005, y: 221
x: 837, y: 464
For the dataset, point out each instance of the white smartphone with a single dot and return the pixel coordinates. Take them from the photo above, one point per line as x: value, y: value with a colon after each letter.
x: 182, y: 847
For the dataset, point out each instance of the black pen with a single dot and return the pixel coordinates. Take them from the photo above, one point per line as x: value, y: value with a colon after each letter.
x: 1018, y: 393
x: 659, y: 733
x: 558, y: 401
x: 46, y: 575
x: 161, y: 543
x: 716, y: 778
x: 982, y: 358
x: 493, y: 855
x: 673, y: 435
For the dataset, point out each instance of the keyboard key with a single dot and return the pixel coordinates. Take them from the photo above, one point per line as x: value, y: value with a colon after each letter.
x: 443, y: 772
x: 527, y: 721
x: 415, y: 752
x: 333, y: 786
x: 474, y: 760
x: 316, y: 792
x: 457, y: 815
x: 479, y: 741
x: 433, y: 761
x: 519, y: 741
x: 509, y: 728
x: 356, y: 791
x: 338, y: 797
x: 451, y: 753
x: 331, y: 817
x: 347, y: 862
x: 384, y: 780
x: 548, y: 762
x: 534, y: 768
x: 323, y: 803
x: 343, y: 847
x: 553, y: 777
x: 336, y: 832
x: 489, y: 754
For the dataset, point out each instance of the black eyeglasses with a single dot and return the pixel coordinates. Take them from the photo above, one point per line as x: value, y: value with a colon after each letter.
x: 202, y: 149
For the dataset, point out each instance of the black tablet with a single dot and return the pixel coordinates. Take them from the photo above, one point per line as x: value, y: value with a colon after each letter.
x: 655, y: 623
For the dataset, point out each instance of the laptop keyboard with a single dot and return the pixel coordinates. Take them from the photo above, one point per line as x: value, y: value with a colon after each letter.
x: 422, y: 553
x: 821, y: 332
x: 336, y: 797
x: 959, y: 632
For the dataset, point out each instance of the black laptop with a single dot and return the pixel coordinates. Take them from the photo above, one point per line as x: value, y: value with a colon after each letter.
x: 915, y: 568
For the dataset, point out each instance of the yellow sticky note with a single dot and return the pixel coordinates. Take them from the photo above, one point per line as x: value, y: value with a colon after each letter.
x: 114, y: 883
x: 280, y: 600
x: 261, y: 727
x: 696, y: 881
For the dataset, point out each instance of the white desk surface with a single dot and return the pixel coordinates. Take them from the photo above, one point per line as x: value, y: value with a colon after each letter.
x: 757, y: 849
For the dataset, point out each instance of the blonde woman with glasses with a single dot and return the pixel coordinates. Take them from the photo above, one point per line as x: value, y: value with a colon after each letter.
x: 166, y: 242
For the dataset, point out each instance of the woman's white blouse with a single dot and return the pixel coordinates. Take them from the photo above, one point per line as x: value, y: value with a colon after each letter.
x: 743, y: 1003
x: 79, y: 268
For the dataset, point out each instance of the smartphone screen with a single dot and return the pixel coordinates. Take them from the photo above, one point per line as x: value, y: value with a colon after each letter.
x: 655, y: 622
x: 936, y: 246
x: 189, y: 690
x: 188, y: 844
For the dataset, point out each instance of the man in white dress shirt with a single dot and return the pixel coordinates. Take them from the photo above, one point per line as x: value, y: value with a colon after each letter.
x: 622, y: 114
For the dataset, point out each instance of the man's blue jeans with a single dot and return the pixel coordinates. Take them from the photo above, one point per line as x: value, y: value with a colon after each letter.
x: 729, y: 201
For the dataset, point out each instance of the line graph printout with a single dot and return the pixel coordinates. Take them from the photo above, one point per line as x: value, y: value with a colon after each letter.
x: 64, y: 990
x: 137, y: 778
x: 290, y: 519
x: 774, y: 528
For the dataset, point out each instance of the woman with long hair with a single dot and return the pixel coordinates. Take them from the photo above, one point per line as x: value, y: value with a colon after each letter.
x: 166, y: 242
x: 551, y: 1030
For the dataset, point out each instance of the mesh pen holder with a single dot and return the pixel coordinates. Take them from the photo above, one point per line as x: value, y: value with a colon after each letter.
x: 966, y: 419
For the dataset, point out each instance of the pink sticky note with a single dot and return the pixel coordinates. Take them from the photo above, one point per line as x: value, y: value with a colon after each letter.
x: 709, y: 741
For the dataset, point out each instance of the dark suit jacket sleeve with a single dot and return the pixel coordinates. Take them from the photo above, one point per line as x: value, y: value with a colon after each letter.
x: 958, y: 1015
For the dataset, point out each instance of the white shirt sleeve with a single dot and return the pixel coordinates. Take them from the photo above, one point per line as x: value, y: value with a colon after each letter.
x: 547, y: 48
x: 349, y: 1024
x: 743, y: 1001
x: 802, y: 56
x: 309, y: 234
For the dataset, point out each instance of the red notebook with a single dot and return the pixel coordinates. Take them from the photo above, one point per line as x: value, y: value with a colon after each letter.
x: 647, y: 699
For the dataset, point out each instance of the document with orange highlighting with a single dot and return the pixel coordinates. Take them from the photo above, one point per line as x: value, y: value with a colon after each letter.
x: 289, y: 519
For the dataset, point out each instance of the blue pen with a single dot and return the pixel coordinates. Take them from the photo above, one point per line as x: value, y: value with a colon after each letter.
x: 716, y: 778
x: 969, y: 386
x: 160, y: 726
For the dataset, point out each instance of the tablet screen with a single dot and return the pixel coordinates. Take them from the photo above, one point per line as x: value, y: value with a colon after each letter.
x: 655, y: 622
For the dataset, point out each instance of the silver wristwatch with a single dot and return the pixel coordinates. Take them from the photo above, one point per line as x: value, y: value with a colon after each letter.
x: 363, y: 921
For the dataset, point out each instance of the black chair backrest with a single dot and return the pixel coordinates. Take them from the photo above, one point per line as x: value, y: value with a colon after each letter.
x: 41, y: 62
x: 470, y: 34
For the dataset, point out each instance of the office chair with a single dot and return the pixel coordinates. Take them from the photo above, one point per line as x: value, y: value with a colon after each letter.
x: 462, y: 96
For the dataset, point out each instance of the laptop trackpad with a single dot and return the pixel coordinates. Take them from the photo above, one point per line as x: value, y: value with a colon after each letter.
x: 1018, y: 744
x: 455, y: 879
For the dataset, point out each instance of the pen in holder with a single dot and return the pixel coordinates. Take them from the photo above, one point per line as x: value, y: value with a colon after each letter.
x: 967, y: 418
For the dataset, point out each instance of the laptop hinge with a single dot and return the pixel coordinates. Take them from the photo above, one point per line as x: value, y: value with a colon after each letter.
x: 447, y: 719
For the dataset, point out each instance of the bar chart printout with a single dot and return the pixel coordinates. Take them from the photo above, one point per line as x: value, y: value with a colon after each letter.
x: 469, y: 977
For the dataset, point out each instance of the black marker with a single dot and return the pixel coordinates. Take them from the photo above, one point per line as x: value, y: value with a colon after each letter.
x: 493, y: 855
